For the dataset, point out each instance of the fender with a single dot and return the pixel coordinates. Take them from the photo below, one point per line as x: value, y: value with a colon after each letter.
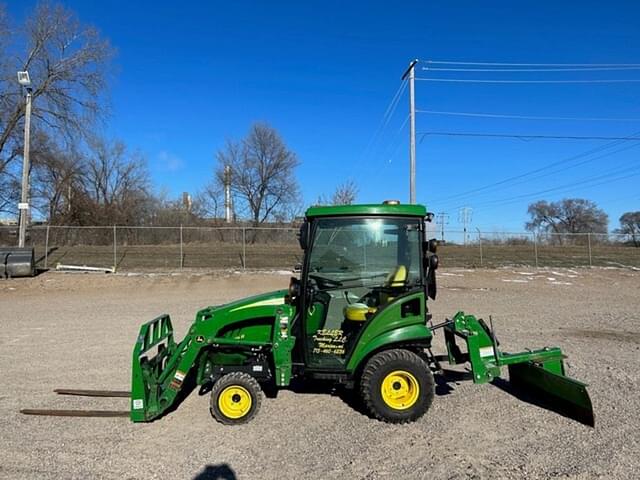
x: 416, y: 333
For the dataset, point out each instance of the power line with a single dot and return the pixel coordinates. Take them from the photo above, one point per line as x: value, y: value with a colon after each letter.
x: 443, y: 62
x: 524, y: 136
x: 568, y: 186
x: 527, y: 117
x: 543, y: 168
x: 476, y: 80
x: 384, y: 122
x: 556, y: 171
x: 517, y: 70
x: 388, y: 113
x: 392, y: 148
x: 563, y: 188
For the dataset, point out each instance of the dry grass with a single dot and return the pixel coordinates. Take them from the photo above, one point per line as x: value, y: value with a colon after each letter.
x: 285, y: 255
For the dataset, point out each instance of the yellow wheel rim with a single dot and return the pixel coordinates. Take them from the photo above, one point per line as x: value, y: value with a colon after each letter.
x: 400, y: 390
x: 235, y: 401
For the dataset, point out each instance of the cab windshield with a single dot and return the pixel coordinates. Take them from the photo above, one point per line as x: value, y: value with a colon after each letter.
x: 365, y: 252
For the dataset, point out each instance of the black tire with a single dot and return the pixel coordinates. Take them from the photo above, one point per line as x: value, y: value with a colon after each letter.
x: 229, y: 396
x: 386, y: 365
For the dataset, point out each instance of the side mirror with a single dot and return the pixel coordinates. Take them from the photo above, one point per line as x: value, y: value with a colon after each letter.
x: 430, y: 246
x: 431, y: 265
x: 303, y: 235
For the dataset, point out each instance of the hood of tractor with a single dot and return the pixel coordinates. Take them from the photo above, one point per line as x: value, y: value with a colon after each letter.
x: 269, y: 299
x: 248, y: 319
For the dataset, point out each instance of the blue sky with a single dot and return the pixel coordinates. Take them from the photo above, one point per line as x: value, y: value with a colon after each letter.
x: 192, y: 74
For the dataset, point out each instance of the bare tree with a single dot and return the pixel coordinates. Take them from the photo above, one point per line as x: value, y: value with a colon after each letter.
x: 117, y: 184
x: 56, y: 176
x: 67, y: 63
x: 571, y: 215
x: 262, y: 174
x: 209, y: 202
x: 630, y: 225
x: 345, y: 193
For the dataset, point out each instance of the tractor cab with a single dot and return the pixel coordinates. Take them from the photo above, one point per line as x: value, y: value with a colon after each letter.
x: 358, y: 261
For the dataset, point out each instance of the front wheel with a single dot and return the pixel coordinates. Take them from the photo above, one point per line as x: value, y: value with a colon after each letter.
x: 235, y: 398
x: 397, y: 386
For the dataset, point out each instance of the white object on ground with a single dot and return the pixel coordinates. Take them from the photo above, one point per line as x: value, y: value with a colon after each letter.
x: 85, y: 268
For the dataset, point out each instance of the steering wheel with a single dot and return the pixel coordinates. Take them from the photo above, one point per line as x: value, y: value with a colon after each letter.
x: 325, y: 281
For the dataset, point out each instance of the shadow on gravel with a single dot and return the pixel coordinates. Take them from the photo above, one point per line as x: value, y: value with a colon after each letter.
x: 348, y: 395
x: 188, y: 386
x: 216, y: 472
x: 448, y: 378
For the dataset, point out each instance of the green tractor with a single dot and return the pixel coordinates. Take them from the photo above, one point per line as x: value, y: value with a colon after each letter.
x: 357, y: 317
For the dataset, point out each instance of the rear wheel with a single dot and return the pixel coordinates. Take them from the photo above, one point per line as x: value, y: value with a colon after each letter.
x: 235, y: 398
x: 397, y: 386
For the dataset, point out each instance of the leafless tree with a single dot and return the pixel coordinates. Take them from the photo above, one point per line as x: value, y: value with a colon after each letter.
x: 630, y: 225
x: 67, y: 63
x: 571, y: 215
x: 345, y: 193
x: 117, y: 183
x: 56, y: 176
x: 167, y: 211
x: 262, y: 174
x: 209, y: 202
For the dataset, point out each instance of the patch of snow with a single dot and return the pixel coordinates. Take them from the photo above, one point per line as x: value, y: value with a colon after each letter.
x: 516, y: 280
x: 624, y: 266
x: 561, y: 283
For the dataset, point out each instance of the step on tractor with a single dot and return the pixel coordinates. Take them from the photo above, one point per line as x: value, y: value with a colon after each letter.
x: 357, y: 317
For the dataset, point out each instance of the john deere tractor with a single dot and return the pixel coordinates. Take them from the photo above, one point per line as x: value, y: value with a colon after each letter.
x: 357, y: 316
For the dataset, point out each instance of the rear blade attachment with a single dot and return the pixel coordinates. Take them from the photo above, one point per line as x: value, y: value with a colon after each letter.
x: 559, y: 393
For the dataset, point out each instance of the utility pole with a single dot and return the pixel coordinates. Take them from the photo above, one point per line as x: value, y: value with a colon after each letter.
x: 464, y: 217
x: 23, y: 206
x: 411, y: 74
x: 443, y: 218
x: 227, y: 193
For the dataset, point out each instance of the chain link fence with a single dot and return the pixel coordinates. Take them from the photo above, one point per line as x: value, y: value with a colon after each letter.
x: 161, y: 248
x: 176, y: 248
x: 500, y: 249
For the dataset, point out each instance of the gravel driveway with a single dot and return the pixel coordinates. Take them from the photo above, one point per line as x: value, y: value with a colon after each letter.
x: 77, y: 331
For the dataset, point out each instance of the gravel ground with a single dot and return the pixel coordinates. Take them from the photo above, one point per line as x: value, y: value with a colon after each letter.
x: 77, y: 331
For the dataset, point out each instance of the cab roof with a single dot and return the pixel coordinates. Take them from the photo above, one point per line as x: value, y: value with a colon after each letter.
x: 369, y: 209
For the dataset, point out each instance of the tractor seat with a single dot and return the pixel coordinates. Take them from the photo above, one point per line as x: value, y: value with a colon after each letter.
x: 397, y: 278
x: 357, y: 312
